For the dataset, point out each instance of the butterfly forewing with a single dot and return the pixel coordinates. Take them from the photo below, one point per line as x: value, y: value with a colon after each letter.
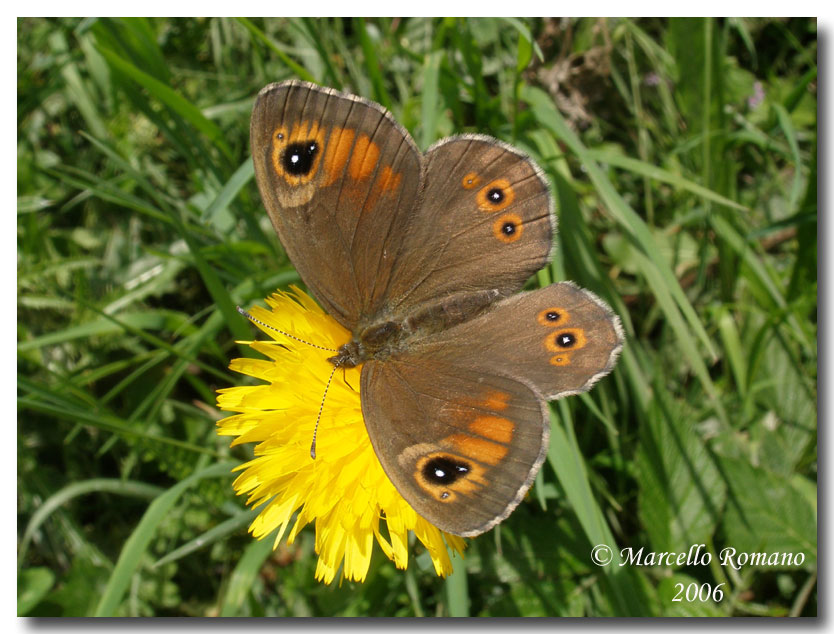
x: 485, y: 221
x: 339, y: 179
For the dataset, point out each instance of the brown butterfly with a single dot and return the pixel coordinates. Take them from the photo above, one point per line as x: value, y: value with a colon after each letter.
x: 420, y: 257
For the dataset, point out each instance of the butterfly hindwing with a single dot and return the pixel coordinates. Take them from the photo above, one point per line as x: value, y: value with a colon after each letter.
x: 462, y: 447
x: 560, y: 339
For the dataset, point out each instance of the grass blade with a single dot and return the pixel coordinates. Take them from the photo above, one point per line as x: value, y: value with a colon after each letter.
x: 136, y: 545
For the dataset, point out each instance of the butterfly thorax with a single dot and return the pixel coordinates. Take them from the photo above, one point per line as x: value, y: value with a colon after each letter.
x: 381, y: 339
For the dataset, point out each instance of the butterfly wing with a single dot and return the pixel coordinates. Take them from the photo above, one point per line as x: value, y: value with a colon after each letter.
x: 461, y: 447
x: 485, y: 221
x: 339, y: 179
x: 560, y: 339
x: 458, y: 420
x: 375, y: 229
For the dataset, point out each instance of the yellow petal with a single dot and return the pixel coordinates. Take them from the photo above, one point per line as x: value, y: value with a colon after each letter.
x: 344, y: 492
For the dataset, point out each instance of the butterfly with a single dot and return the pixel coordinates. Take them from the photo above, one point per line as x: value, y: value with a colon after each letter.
x: 421, y: 257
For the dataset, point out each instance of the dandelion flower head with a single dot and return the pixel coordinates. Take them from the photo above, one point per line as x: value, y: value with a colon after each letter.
x: 343, y: 491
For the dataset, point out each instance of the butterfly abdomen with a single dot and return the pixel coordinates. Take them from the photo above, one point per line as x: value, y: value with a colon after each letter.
x: 382, y: 339
x: 449, y: 311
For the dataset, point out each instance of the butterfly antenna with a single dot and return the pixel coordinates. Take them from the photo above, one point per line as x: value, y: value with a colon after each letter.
x: 286, y: 334
x: 321, y: 409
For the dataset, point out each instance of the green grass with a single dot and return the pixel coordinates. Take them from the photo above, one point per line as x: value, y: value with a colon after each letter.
x: 683, y: 158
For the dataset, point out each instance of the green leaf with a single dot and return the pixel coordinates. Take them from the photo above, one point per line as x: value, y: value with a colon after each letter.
x: 457, y: 599
x: 566, y: 459
x: 170, y: 98
x: 790, y: 134
x: 681, y: 491
x: 524, y: 36
x: 211, y: 536
x: 245, y: 575
x: 430, y: 109
x: 155, y: 320
x: 136, y: 545
x: 33, y: 584
x: 766, y: 513
x: 664, y: 176
x: 296, y: 68
x: 217, y: 213
x: 76, y: 489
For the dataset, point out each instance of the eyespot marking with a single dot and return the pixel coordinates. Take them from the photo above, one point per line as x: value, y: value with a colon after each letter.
x: 553, y: 316
x: 566, y: 339
x: 443, y: 474
x: 495, y: 196
x: 508, y: 228
x: 297, y: 158
x: 296, y: 153
x: 444, y: 470
x: 470, y: 181
x: 560, y: 360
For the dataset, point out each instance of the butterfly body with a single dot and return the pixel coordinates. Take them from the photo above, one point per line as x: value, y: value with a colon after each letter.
x: 420, y: 256
x: 383, y: 339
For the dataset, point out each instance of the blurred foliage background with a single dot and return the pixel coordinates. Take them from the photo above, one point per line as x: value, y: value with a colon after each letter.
x: 683, y: 156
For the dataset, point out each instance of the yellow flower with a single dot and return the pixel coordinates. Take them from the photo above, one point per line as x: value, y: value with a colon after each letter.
x: 344, y: 491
